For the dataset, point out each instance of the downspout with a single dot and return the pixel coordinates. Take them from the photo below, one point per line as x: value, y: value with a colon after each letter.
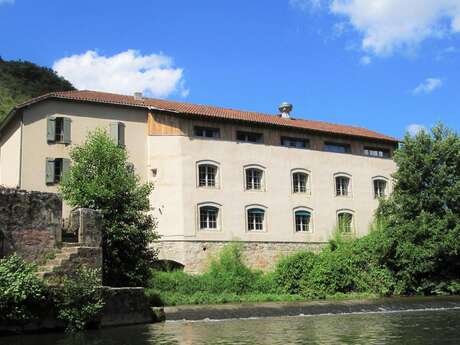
x: 20, y: 150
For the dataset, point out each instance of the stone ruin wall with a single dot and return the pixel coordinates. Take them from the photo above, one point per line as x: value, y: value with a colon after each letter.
x: 30, y: 223
x: 31, y: 226
x: 196, y: 256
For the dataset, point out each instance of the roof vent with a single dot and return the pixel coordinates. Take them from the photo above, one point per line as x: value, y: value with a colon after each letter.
x: 285, y: 108
x: 138, y: 96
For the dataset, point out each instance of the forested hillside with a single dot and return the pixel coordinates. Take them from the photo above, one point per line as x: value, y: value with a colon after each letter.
x: 21, y: 80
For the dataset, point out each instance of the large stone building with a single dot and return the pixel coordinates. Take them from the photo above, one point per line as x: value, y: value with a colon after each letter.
x: 275, y: 182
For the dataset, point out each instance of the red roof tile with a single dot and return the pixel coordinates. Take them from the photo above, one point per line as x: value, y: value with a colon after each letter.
x: 212, y: 112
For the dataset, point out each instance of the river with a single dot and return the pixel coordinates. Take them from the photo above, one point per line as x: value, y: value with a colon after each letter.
x: 402, y: 328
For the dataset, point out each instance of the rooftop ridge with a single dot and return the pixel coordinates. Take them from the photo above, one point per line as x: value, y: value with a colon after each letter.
x: 212, y: 111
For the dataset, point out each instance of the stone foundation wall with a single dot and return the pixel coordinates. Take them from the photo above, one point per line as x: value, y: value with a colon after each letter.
x: 30, y: 222
x: 195, y: 256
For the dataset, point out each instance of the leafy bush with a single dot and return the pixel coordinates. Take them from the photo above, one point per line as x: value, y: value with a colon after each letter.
x: 101, y: 178
x: 227, y: 280
x: 21, y: 291
x: 228, y: 273
x: 79, y: 299
x: 291, y: 270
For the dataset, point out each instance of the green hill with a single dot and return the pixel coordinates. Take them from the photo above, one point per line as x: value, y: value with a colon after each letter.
x: 21, y: 80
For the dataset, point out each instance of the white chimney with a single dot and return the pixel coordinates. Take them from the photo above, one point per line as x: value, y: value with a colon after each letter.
x: 285, y: 108
x: 138, y: 96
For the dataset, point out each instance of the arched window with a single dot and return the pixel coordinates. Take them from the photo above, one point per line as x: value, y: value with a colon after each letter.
x: 380, y: 187
x: 300, y: 181
x: 342, y: 185
x: 208, y: 174
x: 345, y: 221
x: 255, y: 219
x: 254, y: 178
x: 303, y: 220
x: 208, y: 217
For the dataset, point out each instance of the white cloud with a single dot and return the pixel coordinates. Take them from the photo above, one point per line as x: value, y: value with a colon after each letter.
x: 125, y: 73
x: 387, y: 26
x: 414, y: 128
x: 428, y: 86
x: 6, y: 2
x: 365, y: 60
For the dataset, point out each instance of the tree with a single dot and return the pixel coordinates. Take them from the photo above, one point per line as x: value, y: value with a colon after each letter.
x: 422, y: 234
x: 21, y: 80
x: 101, y: 178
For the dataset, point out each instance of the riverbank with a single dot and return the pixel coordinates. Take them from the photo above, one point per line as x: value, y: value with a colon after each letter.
x: 275, y: 309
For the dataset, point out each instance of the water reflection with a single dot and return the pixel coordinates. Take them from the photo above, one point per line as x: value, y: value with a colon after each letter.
x: 427, y: 327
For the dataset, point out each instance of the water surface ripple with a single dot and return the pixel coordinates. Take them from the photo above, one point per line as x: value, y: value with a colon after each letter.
x: 406, y: 328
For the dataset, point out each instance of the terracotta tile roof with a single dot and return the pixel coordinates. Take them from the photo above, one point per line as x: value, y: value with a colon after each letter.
x: 212, y: 112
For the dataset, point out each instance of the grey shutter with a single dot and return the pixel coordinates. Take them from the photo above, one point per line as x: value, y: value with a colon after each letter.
x: 121, y: 134
x: 67, y: 130
x: 49, y: 171
x: 51, y: 129
x: 65, y: 166
x: 117, y: 133
x: 114, y: 132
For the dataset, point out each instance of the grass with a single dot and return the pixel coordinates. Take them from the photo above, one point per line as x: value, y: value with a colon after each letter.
x: 201, y: 298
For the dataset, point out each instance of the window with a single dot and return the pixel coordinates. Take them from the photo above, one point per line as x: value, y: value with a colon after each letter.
x: 376, y: 152
x: 302, y: 221
x: 117, y: 133
x: 380, y: 186
x: 207, y: 132
x: 295, y: 142
x: 55, y: 169
x: 342, y: 186
x: 250, y: 137
x: 58, y: 130
x: 254, y: 178
x: 256, y: 219
x: 207, y: 175
x: 209, y: 217
x: 299, y: 182
x: 336, y: 147
x: 345, y: 222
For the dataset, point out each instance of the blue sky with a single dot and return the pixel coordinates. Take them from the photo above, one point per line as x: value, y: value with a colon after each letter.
x: 378, y: 64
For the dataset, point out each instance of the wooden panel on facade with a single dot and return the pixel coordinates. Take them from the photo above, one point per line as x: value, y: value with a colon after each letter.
x: 162, y: 124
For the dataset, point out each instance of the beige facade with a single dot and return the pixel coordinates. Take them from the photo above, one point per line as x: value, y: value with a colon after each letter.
x: 164, y: 148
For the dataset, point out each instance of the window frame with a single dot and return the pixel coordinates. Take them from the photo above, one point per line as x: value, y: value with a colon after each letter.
x: 219, y: 222
x: 349, y: 186
x: 308, y: 182
x: 264, y: 221
x: 59, y: 130
x: 59, y: 167
x: 216, y: 165
x: 260, y: 136
x: 206, y: 128
x: 352, y: 222
x: 305, y: 141
x: 310, y: 224
x: 386, y: 152
x: 387, y: 186
x: 262, y: 180
x: 347, y: 147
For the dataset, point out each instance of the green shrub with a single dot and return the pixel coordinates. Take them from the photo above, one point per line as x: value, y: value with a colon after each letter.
x: 348, y: 265
x: 228, y: 273
x: 21, y: 291
x: 79, y: 299
x: 292, y: 269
